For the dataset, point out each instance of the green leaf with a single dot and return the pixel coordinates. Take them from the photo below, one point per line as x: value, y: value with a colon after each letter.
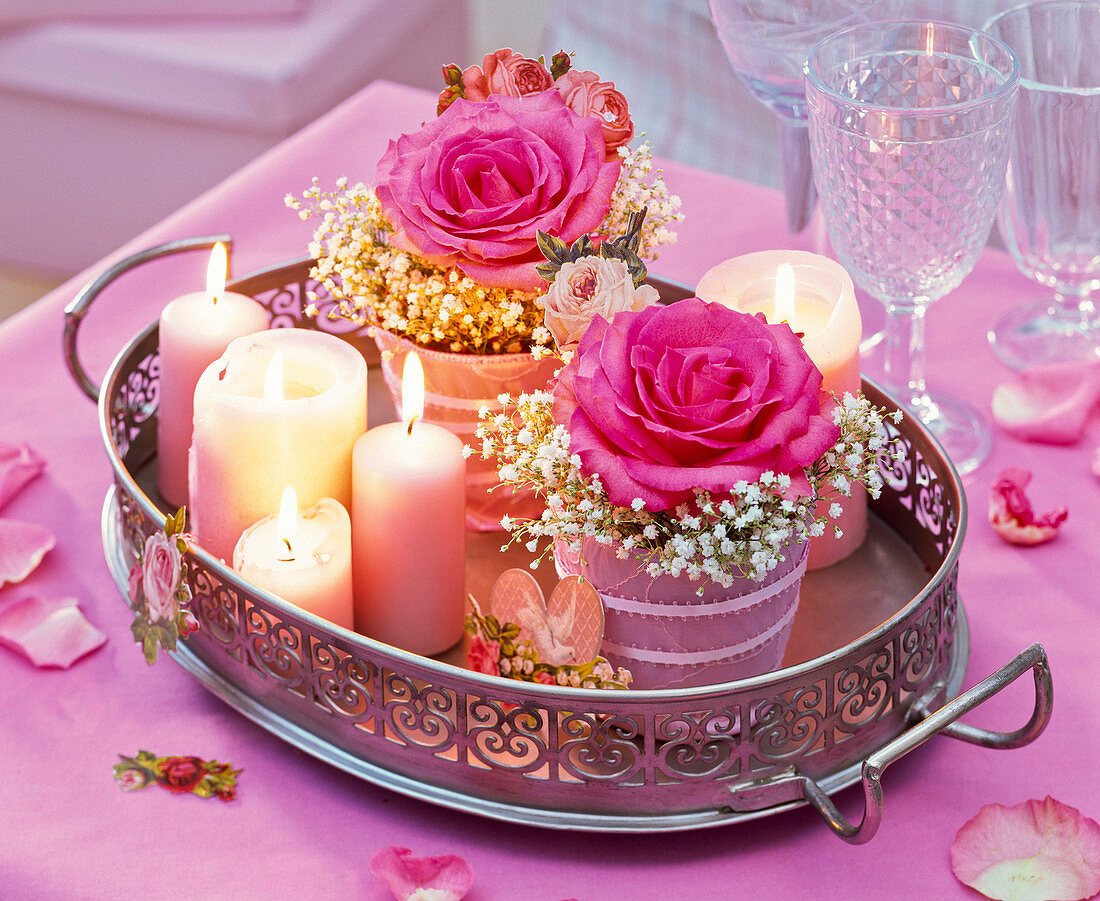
x: 548, y: 271
x: 554, y: 249
x: 582, y: 247
x: 492, y: 628
x: 510, y: 632
x: 149, y: 648
x: 139, y: 628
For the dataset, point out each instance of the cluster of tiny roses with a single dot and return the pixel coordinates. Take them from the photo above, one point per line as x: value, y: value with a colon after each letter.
x: 497, y: 649
x: 179, y: 775
x: 366, y: 280
x: 712, y: 540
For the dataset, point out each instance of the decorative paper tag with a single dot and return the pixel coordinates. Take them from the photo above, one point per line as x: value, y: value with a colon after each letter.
x: 566, y: 629
x: 159, y: 592
x: 179, y: 775
x: 528, y: 639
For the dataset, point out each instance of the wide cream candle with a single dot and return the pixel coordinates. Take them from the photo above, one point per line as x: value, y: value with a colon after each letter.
x: 195, y: 330
x: 302, y: 556
x: 282, y: 407
x: 816, y: 297
x: 409, y: 529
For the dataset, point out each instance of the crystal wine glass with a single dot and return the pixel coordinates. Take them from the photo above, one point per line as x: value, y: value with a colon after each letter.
x: 1050, y: 216
x: 767, y: 42
x: 909, y: 127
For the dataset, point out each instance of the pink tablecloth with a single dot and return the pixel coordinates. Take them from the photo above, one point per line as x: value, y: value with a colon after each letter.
x: 302, y: 828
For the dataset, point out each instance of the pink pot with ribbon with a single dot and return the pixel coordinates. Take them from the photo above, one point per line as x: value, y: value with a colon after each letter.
x: 670, y: 637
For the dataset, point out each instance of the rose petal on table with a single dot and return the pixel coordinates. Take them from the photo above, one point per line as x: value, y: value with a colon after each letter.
x: 443, y: 878
x: 1010, y: 511
x: 1036, y: 851
x: 18, y: 465
x: 48, y: 632
x: 22, y: 547
x: 1048, y: 403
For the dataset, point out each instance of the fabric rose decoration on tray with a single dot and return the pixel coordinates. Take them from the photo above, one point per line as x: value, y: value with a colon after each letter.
x: 690, y: 435
x: 443, y: 249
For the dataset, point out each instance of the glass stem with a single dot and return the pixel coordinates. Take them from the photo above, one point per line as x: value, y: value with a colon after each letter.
x: 903, y: 363
x: 798, y: 172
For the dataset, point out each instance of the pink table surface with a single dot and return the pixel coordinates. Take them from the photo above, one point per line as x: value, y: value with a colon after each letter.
x: 303, y: 828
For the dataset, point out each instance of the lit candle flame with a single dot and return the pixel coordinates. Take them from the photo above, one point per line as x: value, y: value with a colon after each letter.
x: 216, y: 271
x: 287, y: 523
x: 784, y: 293
x: 412, y: 391
x: 273, y: 378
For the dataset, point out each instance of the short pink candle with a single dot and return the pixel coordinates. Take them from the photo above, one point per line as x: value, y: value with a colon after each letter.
x: 194, y: 331
x: 409, y: 529
x: 302, y: 556
x: 816, y: 297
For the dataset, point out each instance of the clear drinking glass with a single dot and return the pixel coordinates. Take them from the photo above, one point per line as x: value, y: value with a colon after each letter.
x: 909, y: 125
x: 1050, y: 216
x: 767, y: 42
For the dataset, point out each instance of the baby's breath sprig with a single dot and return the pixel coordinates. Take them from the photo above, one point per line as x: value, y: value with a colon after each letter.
x: 713, y: 539
x: 368, y: 282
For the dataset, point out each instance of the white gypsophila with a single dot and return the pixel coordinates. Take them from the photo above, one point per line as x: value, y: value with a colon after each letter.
x: 713, y: 539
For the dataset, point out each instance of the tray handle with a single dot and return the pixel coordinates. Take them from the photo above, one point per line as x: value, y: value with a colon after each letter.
x: 941, y: 721
x: 79, y: 305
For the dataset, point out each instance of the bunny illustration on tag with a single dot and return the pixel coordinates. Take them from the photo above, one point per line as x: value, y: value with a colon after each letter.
x: 523, y: 636
x: 566, y: 629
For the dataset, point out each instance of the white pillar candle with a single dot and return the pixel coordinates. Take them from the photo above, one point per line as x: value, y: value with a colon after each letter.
x: 816, y: 297
x: 195, y: 330
x: 258, y: 429
x: 408, y: 529
x: 302, y: 556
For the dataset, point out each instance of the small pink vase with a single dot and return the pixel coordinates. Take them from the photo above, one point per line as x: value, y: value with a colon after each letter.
x: 670, y: 637
x: 456, y: 386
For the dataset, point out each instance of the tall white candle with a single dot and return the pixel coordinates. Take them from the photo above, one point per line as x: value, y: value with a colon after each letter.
x: 408, y: 529
x: 195, y: 330
x: 816, y: 297
x: 254, y: 433
x: 302, y: 556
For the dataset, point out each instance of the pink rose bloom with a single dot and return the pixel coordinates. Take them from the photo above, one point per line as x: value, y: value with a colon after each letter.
x: 134, y: 582
x: 474, y: 186
x: 188, y: 624
x: 690, y: 395
x: 160, y: 575
x: 586, y: 95
x: 545, y: 678
x: 484, y: 656
x: 586, y: 288
x: 181, y: 774
x: 134, y: 779
x: 508, y: 73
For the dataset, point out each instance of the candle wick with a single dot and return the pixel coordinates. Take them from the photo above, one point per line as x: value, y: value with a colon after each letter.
x: 290, y: 553
x: 413, y: 419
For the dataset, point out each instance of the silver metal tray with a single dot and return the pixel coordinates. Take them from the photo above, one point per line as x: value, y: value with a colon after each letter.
x: 879, y: 641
